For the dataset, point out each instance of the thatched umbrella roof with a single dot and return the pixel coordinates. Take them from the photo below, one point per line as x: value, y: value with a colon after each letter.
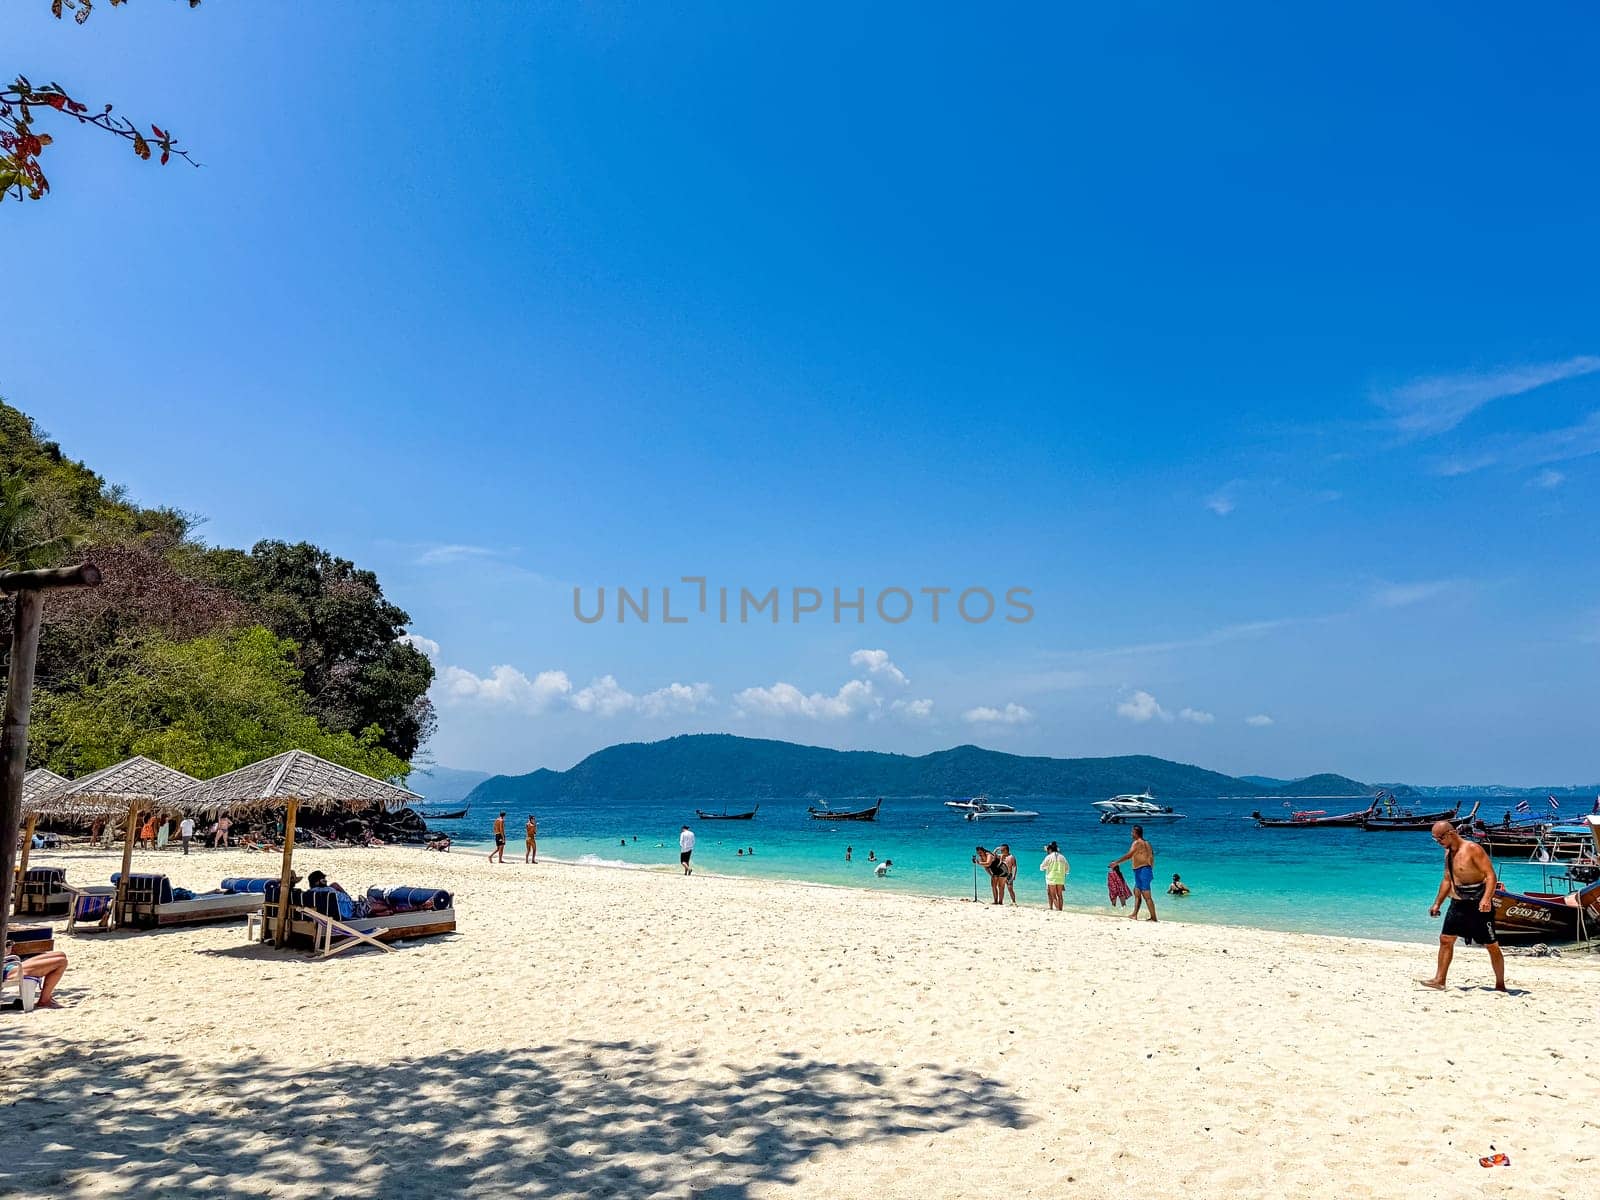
x: 314, y: 784
x: 37, y: 782
x: 111, y: 792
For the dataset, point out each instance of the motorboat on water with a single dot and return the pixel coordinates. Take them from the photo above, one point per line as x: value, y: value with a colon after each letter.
x: 1135, y: 808
x: 989, y: 810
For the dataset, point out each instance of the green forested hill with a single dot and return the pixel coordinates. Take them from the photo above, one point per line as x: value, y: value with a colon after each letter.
x: 201, y: 657
x: 724, y: 767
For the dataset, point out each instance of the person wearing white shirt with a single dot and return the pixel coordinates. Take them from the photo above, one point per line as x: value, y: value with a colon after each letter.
x: 686, y: 849
x: 186, y: 832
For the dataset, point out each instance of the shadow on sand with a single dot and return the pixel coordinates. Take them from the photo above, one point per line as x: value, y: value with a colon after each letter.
x: 591, y: 1118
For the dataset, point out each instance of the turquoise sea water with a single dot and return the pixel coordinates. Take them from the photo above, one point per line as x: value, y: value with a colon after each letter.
x: 1338, y: 881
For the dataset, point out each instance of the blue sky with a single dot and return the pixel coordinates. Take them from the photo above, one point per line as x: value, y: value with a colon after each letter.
x: 1260, y: 345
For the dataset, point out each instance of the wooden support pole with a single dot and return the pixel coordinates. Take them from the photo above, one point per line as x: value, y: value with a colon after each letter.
x: 127, y: 862
x: 281, y: 937
x: 14, y: 735
x: 22, y: 861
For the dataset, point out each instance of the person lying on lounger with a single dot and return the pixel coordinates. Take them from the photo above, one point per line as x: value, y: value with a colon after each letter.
x: 349, y: 906
x: 47, y: 968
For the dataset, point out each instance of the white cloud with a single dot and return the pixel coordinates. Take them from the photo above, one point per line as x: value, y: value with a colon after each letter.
x: 917, y: 710
x: 1531, y: 450
x: 607, y: 698
x: 1195, y: 716
x: 443, y: 554
x: 876, y: 662
x: 1547, y: 479
x: 604, y: 696
x: 1142, y: 706
x: 505, y: 685
x: 1437, y: 404
x: 675, y: 698
x: 1011, y: 714
x: 1223, y: 501
x: 1400, y: 595
x: 786, y: 700
x: 1260, y: 720
x: 429, y: 647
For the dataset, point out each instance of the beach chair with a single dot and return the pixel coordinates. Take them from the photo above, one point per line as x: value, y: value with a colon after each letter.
x: 44, y: 892
x: 89, y: 906
x: 151, y: 902
x: 26, y: 987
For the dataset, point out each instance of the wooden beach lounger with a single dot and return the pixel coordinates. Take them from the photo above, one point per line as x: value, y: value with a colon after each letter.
x: 44, y: 892
x: 27, y: 940
x: 150, y: 903
x: 315, y: 919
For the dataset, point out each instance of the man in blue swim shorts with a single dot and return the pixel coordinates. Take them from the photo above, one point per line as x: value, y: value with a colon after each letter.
x: 1143, y: 857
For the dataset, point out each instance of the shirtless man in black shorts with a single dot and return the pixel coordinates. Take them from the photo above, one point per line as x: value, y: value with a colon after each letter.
x: 1469, y: 881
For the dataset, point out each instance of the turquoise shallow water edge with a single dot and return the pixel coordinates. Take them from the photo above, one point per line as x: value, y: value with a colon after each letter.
x: 1336, y: 881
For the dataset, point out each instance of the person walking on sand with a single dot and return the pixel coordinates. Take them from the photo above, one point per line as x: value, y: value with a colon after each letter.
x: 686, y: 849
x: 1055, y: 870
x: 531, y: 833
x: 499, y: 839
x: 1470, y: 882
x: 1144, y: 869
x: 219, y: 832
x: 186, y: 833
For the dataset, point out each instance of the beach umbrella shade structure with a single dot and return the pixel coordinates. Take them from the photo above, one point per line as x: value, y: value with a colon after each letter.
x: 121, y: 792
x: 292, y: 782
x: 35, y: 784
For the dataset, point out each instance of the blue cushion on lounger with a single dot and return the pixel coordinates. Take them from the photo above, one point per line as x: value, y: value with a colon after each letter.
x: 411, y: 899
x: 40, y: 934
x: 252, y: 887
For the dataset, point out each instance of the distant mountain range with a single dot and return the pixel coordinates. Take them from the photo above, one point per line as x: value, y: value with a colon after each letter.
x: 720, y: 766
x: 444, y: 783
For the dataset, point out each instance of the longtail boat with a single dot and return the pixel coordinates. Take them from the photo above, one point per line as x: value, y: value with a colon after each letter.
x: 1417, y: 822
x: 1540, y: 842
x: 1521, y: 918
x: 454, y: 815
x: 1316, y: 819
x: 833, y: 814
x: 725, y: 815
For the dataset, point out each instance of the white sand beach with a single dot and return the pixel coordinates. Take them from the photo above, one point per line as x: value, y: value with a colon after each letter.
x: 602, y: 1032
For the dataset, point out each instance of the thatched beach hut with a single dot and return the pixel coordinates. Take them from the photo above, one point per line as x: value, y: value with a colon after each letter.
x: 125, y: 791
x: 291, y: 782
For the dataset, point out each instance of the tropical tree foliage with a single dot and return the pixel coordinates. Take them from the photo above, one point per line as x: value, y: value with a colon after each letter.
x: 204, y: 706
x: 349, y: 675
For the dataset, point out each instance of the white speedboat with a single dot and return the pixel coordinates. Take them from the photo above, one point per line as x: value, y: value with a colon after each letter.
x: 988, y: 810
x: 1132, y: 808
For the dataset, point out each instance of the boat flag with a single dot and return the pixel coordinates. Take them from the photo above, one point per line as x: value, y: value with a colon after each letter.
x: 1554, y: 803
x: 1522, y: 806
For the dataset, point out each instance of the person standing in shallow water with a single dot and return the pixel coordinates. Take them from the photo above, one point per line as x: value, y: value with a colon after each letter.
x: 686, y: 849
x: 1143, y: 857
x: 1055, y: 870
x: 530, y: 833
x: 499, y: 838
x: 1470, y: 882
